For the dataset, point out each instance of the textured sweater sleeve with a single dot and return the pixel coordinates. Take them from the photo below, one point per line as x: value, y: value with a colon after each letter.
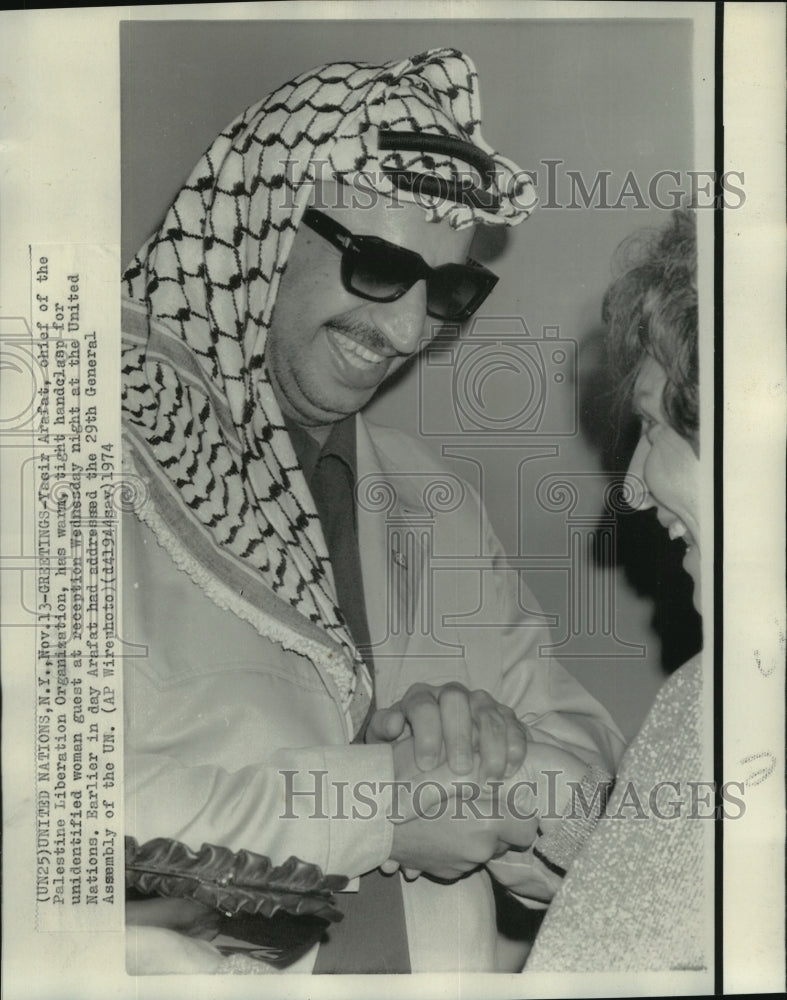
x: 636, y: 897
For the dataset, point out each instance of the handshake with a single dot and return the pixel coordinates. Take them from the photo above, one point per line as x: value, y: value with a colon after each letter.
x: 489, y: 788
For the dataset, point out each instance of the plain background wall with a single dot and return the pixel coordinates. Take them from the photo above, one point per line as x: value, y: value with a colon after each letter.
x: 598, y: 95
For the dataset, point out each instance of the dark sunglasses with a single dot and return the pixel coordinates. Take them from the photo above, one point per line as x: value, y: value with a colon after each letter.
x: 375, y: 269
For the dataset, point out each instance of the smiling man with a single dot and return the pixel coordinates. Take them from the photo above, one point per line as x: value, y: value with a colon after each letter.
x: 333, y: 342
x: 318, y: 244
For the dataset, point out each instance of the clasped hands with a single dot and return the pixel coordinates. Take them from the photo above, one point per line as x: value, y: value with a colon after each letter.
x: 467, y: 752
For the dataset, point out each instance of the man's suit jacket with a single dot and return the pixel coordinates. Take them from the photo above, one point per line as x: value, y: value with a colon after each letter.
x: 215, y: 711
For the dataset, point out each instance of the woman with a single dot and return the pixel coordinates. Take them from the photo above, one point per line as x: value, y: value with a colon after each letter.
x: 635, y: 897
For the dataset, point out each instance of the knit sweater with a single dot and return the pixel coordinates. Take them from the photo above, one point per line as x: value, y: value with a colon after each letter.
x: 635, y: 898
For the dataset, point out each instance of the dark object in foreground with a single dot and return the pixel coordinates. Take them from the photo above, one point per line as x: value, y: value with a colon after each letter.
x: 243, y: 902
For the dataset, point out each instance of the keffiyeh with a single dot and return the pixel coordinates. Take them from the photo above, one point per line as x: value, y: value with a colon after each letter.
x: 202, y: 428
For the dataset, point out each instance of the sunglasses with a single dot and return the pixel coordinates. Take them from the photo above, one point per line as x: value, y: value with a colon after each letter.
x: 375, y: 269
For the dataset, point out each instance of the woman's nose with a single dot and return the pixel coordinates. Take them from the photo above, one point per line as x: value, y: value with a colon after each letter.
x: 403, y: 321
x: 637, y: 495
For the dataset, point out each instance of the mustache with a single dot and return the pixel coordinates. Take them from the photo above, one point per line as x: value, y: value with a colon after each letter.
x: 365, y: 334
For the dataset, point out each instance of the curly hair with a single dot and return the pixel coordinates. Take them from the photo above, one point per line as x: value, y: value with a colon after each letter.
x: 651, y: 309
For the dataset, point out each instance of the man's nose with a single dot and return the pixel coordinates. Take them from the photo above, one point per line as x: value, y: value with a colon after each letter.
x: 403, y: 321
x: 637, y: 495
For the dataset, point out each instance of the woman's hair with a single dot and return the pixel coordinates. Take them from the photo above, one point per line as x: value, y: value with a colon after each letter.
x: 651, y: 309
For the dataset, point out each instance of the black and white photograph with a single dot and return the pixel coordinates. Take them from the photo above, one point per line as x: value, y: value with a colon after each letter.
x: 386, y: 498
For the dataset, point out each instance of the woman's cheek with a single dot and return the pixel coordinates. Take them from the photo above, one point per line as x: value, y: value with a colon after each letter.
x: 672, y: 475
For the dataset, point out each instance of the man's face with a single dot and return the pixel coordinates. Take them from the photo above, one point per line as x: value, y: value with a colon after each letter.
x: 669, y: 467
x: 328, y: 350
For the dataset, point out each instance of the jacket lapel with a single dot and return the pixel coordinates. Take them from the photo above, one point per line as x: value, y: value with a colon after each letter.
x: 395, y: 532
x: 389, y: 515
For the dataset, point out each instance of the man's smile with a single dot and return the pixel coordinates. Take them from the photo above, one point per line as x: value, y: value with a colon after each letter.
x: 359, y: 364
x: 355, y: 352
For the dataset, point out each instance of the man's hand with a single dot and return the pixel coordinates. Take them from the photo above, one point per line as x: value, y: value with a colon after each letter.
x: 458, y: 825
x: 441, y: 833
x: 451, y: 723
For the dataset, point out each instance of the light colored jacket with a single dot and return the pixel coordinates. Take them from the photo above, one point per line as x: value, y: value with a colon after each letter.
x: 215, y: 712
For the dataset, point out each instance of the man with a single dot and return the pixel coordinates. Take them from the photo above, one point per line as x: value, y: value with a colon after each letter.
x: 318, y: 243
